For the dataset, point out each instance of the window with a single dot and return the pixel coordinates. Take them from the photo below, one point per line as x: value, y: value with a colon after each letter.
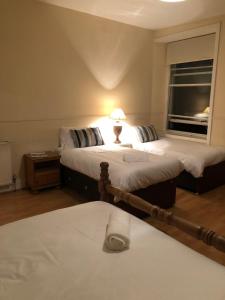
x: 189, y: 97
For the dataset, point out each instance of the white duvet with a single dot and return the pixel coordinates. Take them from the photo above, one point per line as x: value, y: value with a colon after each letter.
x: 59, y: 256
x: 128, y: 176
x: 193, y: 155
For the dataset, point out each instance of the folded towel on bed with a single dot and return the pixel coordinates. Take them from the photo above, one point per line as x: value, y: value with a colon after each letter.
x: 117, y: 231
x: 135, y: 157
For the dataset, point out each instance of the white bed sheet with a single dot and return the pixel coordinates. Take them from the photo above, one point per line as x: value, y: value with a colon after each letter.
x: 193, y: 155
x: 124, y: 175
x: 59, y: 256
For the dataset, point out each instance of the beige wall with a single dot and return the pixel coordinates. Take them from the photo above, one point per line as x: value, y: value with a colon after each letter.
x: 59, y: 68
x: 64, y: 68
x: 159, y: 91
x: 159, y: 87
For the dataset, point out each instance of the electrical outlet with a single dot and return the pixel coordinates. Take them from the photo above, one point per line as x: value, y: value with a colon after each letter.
x: 14, y: 178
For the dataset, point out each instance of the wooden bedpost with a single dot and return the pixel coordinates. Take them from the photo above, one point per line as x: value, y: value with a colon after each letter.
x: 104, y: 181
x: 207, y: 236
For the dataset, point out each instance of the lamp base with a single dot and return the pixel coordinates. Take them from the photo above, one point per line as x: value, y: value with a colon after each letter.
x: 117, y: 131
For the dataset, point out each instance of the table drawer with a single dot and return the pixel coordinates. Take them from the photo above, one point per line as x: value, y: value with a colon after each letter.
x: 49, y: 177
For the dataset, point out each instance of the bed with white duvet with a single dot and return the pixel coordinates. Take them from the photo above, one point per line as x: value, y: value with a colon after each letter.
x: 59, y: 256
x: 146, y: 175
x: 130, y: 169
x: 194, y: 156
x: 204, y: 165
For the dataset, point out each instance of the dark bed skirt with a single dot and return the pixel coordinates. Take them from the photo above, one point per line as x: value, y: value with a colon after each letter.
x: 162, y: 194
x: 213, y: 177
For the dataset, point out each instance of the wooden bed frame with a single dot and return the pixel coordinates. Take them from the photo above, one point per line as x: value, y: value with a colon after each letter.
x: 162, y: 194
x: 213, y: 177
x: 208, y: 236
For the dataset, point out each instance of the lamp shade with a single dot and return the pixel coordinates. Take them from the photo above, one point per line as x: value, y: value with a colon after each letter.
x: 118, y: 115
x: 206, y: 110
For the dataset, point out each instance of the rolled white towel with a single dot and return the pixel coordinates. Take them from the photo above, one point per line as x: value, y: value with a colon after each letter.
x: 135, y: 157
x: 118, y: 231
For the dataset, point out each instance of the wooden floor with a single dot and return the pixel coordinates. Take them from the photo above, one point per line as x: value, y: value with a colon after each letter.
x: 22, y: 204
x: 207, y: 210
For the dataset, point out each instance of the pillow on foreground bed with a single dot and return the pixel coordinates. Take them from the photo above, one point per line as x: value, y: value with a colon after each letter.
x: 86, y: 137
x: 146, y: 133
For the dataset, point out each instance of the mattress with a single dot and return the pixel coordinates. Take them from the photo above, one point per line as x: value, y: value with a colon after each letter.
x: 128, y: 176
x: 194, y: 156
x: 59, y: 255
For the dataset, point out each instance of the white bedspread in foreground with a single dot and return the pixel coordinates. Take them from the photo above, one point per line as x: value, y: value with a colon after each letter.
x: 129, y: 176
x: 59, y: 256
x: 193, y: 155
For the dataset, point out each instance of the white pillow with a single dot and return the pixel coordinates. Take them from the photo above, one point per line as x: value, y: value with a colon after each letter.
x: 65, y: 139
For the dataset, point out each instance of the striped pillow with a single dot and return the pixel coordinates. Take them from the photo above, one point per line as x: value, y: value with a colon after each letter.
x: 86, y: 137
x: 146, y: 133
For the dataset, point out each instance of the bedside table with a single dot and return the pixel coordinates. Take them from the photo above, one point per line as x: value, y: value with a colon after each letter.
x: 42, y: 172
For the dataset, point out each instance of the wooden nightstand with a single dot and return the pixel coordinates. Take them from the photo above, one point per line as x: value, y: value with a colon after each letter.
x: 42, y: 172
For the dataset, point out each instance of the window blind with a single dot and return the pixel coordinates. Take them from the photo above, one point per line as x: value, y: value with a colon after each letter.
x: 193, y: 49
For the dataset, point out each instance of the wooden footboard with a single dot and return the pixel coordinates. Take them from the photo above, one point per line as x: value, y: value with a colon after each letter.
x: 208, y: 236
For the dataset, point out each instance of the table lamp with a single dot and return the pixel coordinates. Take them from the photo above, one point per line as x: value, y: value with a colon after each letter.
x: 117, y: 115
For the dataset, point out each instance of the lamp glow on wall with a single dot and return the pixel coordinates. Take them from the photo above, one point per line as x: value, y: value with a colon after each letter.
x: 118, y: 116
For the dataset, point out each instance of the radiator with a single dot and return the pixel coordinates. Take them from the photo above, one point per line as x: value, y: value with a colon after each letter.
x: 5, y: 163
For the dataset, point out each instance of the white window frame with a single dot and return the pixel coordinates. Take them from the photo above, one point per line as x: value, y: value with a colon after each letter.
x: 204, y: 30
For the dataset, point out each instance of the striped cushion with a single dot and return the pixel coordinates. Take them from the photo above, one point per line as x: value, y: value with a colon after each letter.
x: 86, y: 137
x: 146, y: 133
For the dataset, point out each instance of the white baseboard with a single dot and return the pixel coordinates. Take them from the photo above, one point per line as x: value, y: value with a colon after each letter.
x: 6, y: 188
x: 11, y: 187
x: 19, y: 185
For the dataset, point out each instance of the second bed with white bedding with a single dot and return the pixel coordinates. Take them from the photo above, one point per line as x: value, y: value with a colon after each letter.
x: 194, y: 156
x: 129, y: 170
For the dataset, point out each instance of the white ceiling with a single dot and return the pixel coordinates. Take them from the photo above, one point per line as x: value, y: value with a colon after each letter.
x: 152, y: 14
